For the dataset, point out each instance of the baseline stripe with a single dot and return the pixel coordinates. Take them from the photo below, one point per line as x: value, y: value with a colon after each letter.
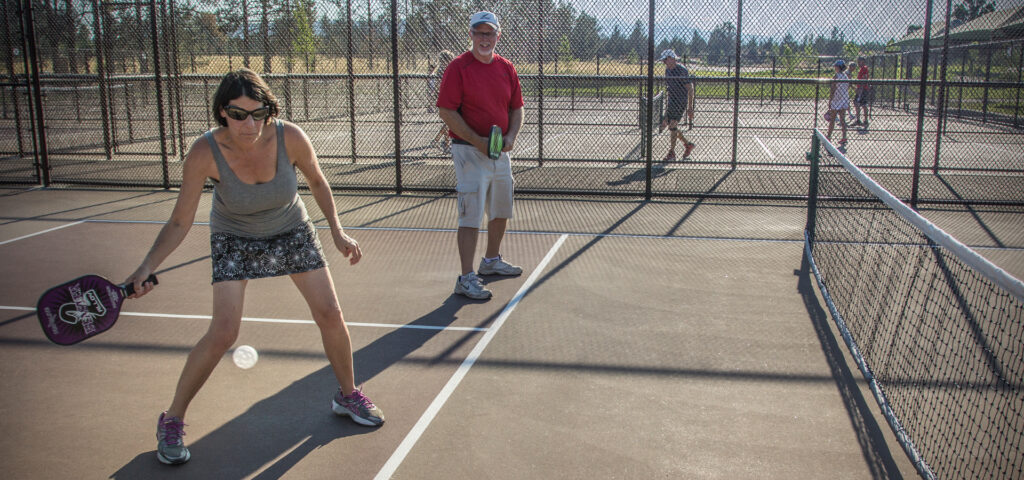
x: 428, y: 416
x: 5, y: 242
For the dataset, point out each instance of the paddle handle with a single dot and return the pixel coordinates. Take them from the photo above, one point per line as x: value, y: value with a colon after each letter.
x: 130, y: 288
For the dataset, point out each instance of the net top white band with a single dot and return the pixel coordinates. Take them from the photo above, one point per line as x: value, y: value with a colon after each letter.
x: 970, y: 257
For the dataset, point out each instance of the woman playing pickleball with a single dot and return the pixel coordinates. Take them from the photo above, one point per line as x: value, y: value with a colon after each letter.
x: 259, y: 228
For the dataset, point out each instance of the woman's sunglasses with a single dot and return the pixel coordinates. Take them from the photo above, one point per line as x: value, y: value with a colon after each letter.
x: 241, y: 114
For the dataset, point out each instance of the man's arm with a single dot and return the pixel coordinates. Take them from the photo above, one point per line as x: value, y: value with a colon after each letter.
x: 457, y: 124
x: 515, y: 122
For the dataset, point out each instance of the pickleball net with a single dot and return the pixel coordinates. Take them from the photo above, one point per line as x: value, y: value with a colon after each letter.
x: 935, y: 328
x: 658, y: 109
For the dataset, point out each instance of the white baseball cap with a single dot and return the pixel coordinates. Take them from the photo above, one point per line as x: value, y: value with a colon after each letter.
x: 484, y: 17
x: 668, y: 53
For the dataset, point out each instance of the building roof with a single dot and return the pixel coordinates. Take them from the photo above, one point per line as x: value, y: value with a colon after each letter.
x: 1013, y: 27
x: 916, y: 38
x: 1003, y: 24
x: 990, y: 26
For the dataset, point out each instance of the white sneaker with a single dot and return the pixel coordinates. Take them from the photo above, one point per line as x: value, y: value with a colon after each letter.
x: 470, y: 286
x: 498, y: 267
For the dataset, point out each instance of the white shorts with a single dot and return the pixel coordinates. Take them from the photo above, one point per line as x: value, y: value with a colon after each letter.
x: 482, y: 184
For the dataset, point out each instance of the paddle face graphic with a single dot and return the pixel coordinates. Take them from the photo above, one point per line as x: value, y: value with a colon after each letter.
x: 81, y: 308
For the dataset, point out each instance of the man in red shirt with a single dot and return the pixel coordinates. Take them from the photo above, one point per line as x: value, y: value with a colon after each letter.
x: 480, y: 89
x: 863, y: 94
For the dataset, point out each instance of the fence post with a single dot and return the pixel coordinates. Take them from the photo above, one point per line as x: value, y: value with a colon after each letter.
x: 960, y: 96
x: 922, y: 98
x: 540, y: 82
x: 941, y: 105
x: 1020, y: 70
x: 396, y: 99
x: 895, y: 75
x: 817, y: 94
x: 647, y: 135
x: 988, y: 78
x: 728, y: 73
x: 159, y: 92
x: 100, y: 75
x: 177, y: 107
x: 14, y: 86
x: 351, y: 81
x: 736, y: 81
x: 245, y: 33
x: 32, y: 61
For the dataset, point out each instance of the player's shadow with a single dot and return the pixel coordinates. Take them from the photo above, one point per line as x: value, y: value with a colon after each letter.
x: 276, y: 433
x: 640, y: 175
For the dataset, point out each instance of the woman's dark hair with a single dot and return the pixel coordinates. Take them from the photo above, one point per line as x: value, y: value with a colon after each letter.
x: 243, y: 82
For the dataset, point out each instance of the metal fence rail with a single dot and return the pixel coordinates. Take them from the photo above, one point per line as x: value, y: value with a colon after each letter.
x: 117, y: 95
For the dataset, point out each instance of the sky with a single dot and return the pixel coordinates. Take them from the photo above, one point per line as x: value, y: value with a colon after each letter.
x: 860, y: 20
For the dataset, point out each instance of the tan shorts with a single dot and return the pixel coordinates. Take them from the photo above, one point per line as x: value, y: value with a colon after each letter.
x: 482, y: 185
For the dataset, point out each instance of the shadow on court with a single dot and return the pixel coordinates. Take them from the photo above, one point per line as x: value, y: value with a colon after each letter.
x: 870, y: 437
x: 278, y: 432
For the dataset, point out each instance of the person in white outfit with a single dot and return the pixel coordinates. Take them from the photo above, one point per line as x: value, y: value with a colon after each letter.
x: 839, y: 102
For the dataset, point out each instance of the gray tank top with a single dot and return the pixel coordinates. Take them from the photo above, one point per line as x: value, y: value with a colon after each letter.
x: 256, y: 210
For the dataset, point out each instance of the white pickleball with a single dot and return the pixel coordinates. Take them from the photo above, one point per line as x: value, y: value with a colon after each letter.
x: 245, y: 357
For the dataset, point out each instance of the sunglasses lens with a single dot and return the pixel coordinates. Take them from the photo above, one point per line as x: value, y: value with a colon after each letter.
x: 236, y: 113
x: 239, y: 114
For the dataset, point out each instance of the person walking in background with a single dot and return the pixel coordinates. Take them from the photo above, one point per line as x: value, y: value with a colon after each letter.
x: 259, y: 228
x: 481, y: 88
x: 679, y: 89
x: 839, y: 102
x: 862, y: 95
x: 443, y: 59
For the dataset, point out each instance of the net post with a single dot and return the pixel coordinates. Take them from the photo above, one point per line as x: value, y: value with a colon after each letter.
x: 812, y: 191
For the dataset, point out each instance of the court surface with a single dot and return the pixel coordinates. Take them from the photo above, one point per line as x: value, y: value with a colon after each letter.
x: 643, y: 340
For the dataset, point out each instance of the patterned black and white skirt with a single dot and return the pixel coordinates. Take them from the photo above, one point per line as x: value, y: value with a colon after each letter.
x: 243, y: 258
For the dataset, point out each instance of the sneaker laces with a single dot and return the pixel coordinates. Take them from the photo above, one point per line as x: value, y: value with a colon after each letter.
x: 173, y: 430
x: 357, y: 398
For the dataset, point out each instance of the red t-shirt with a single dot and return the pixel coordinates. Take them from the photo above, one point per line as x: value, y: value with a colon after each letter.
x: 483, y: 93
x: 862, y: 74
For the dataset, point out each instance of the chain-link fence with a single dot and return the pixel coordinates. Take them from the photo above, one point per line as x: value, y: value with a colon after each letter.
x: 104, y: 92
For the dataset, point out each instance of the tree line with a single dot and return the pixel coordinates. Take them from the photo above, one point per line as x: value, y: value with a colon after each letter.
x: 305, y: 31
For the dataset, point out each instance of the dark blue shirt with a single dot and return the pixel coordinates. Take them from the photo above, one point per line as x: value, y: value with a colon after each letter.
x: 676, y: 80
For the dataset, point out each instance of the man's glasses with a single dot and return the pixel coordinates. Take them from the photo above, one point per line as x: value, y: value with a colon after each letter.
x: 241, y: 114
x: 479, y: 34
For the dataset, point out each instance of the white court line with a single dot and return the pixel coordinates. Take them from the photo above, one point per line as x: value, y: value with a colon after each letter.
x: 5, y: 242
x: 281, y: 320
x: 759, y: 142
x: 417, y: 430
x: 769, y: 152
